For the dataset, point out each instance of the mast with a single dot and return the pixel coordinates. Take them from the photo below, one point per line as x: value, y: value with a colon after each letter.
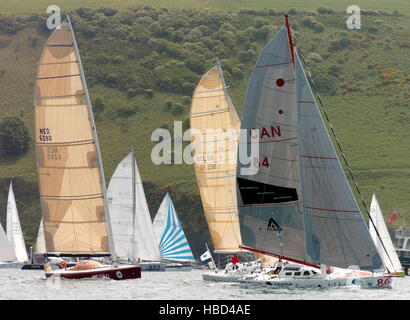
x: 134, y: 205
x: 97, y: 146
x: 291, y: 48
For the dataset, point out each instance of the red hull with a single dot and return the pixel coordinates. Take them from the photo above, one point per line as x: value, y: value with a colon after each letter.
x: 119, y: 273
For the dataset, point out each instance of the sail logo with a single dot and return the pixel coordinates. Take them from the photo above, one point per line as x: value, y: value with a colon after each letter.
x: 273, y: 226
x: 266, y: 132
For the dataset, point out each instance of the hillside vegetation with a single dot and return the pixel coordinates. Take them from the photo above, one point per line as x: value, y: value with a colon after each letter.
x: 142, y: 65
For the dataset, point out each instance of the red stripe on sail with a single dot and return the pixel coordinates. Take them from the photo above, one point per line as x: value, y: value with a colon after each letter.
x: 331, y: 210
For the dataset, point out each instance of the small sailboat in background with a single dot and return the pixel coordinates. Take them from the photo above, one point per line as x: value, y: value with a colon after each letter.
x: 73, y: 198
x: 389, y: 255
x: 13, y: 229
x: 130, y: 218
x: 8, y: 257
x: 13, y: 252
x: 172, y: 242
x: 298, y: 205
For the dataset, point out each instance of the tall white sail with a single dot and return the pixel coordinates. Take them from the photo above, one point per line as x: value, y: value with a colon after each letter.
x: 41, y: 241
x: 7, y: 253
x: 14, y: 232
x: 384, y: 243
x: 170, y: 236
x: 130, y: 218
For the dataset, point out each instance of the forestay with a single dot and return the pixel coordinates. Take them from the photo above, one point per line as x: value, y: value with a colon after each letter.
x: 69, y: 164
x: 214, y: 116
x: 172, y: 242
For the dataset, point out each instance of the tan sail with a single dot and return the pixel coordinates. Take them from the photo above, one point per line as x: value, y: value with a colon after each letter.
x: 215, y: 158
x: 71, y: 189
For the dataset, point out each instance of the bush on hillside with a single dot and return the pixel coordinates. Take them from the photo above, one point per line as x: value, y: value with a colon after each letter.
x: 14, y: 136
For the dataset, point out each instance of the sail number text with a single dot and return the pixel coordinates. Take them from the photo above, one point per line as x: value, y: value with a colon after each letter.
x: 45, y: 135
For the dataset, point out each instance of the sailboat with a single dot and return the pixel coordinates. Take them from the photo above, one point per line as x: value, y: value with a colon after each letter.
x: 130, y: 218
x: 296, y: 203
x: 8, y: 257
x: 215, y: 128
x: 389, y: 256
x: 71, y: 177
x: 13, y: 228
x: 214, y: 117
x: 172, y: 242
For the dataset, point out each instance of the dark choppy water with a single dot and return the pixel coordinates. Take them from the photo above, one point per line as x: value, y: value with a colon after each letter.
x: 32, y: 284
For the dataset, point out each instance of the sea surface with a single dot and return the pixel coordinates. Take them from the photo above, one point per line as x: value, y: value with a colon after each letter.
x: 173, y: 285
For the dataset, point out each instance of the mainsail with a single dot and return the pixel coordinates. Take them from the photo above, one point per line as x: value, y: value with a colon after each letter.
x: 13, y: 228
x: 299, y: 203
x: 214, y: 116
x: 131, y: 221
x: 172, y: 242
x: 387, y: 252
x: 71, y: 177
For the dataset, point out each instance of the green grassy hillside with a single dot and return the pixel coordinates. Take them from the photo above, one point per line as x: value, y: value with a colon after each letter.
x: 137, y: 60
x: 39, y: 6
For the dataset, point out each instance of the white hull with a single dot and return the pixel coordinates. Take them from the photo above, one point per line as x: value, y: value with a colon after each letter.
x: 221, y: 277
x: 382, y: 282
x: 292, y: 277
x: 178, y: 267
x: 11, y: 265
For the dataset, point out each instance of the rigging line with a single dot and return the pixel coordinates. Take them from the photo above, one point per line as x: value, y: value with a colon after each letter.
x: 340, y: 149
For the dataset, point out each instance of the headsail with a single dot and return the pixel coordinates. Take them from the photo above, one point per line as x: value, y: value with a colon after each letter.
x: 314, y: 211
x: 390, y: 259
x: 215, y: 167
x: 336, y: 233
x: 130, y: 217
x: 71, y: 177
x: 40, y: 247
x: 14, y: 232
x: 172, y: 242
x: 7, y: 253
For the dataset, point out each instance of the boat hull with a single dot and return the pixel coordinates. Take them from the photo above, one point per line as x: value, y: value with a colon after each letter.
x: 370, y: 282
x: 145, y: 266
x: 177, y: 267
x: 12, y: 265
x: 115, y: 273
x: 33, y: 266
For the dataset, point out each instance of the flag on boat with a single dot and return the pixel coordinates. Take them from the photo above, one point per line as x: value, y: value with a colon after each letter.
x: 205, y: 256
x: 392, y: 217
